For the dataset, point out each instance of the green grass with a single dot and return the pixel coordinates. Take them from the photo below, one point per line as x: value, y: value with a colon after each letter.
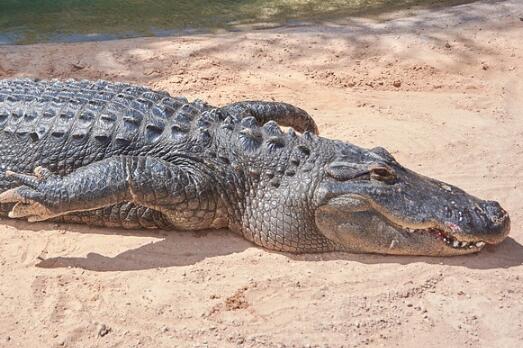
x: 29, y: 21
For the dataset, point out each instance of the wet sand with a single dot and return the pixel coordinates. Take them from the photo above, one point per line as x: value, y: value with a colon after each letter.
x: 441, y: 89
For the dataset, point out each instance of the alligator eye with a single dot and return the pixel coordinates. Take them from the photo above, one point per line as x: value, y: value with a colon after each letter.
x: 382, y: 172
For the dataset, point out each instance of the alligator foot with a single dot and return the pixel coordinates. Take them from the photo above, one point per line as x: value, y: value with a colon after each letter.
x: 29, y: 198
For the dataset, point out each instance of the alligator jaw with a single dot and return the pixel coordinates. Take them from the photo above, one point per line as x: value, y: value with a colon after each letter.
x: 444, y: 236
x: 447, y: 235
x: 449, y: 240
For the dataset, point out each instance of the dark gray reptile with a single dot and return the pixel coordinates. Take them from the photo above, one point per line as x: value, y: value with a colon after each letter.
x: 113, y: 154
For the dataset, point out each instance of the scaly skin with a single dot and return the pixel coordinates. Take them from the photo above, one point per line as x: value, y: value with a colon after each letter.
x: 114, y: 154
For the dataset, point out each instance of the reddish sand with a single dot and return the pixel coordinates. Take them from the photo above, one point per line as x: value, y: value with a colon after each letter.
x: 442, y: 89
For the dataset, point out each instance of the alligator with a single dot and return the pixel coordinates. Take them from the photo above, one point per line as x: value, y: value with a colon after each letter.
x: 121, y: 155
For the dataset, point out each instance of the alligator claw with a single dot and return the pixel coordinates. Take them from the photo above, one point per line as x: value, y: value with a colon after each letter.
x: 33, y: 212
x: 29, y: 180
x: 28, y: 197
x: 40, y: 174
x: 21, y: 194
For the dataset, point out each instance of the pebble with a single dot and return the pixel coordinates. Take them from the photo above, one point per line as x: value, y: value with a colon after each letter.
x: 78, y: 66
x: 103, y: 330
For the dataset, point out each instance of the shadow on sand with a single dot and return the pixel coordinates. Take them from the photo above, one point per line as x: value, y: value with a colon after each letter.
x: 184, y: 248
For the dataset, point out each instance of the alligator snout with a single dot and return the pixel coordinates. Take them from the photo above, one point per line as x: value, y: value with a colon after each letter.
x: 488, y: 222
x: 494, y: 211
x: 499, y: 222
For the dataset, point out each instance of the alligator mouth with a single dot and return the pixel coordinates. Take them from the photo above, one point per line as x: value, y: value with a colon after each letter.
x: 449, y: 240
x: 439, y: 234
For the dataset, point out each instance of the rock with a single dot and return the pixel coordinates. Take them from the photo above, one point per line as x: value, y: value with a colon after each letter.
x: 78, y: 66
x: 397, y: 83
x: 103, y: 330
x: 447, y: 45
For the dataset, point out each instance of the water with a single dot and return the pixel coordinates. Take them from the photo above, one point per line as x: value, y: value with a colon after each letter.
x: 32, y: 21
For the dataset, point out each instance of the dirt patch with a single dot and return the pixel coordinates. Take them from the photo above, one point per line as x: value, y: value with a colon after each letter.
x: 237, y: 301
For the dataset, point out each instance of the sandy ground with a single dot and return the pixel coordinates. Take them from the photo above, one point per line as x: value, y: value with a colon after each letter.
x: 441, y: 89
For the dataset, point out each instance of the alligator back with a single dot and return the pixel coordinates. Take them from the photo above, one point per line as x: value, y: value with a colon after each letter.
x: 64, y: 125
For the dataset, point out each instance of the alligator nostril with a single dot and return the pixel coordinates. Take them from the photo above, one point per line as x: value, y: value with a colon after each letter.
x: 494, y: 210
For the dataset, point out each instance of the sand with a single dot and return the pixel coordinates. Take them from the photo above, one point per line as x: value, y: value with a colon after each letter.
x: 442, y: 89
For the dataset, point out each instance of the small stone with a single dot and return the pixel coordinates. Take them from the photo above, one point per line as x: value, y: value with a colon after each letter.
x: 447, y: 45
x: 165, y: 329
x: 78, y: 66
x: 397, y: 83
x: 103, y: 330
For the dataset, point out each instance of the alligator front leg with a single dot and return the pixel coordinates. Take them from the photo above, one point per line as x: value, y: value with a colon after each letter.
x: 146, y: 181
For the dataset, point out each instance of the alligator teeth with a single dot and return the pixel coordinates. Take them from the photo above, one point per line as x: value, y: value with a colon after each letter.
x: 470, y: 245
x: 448, y: 239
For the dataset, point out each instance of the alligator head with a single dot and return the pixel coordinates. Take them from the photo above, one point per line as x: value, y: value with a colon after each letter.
x: 368, y: 202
